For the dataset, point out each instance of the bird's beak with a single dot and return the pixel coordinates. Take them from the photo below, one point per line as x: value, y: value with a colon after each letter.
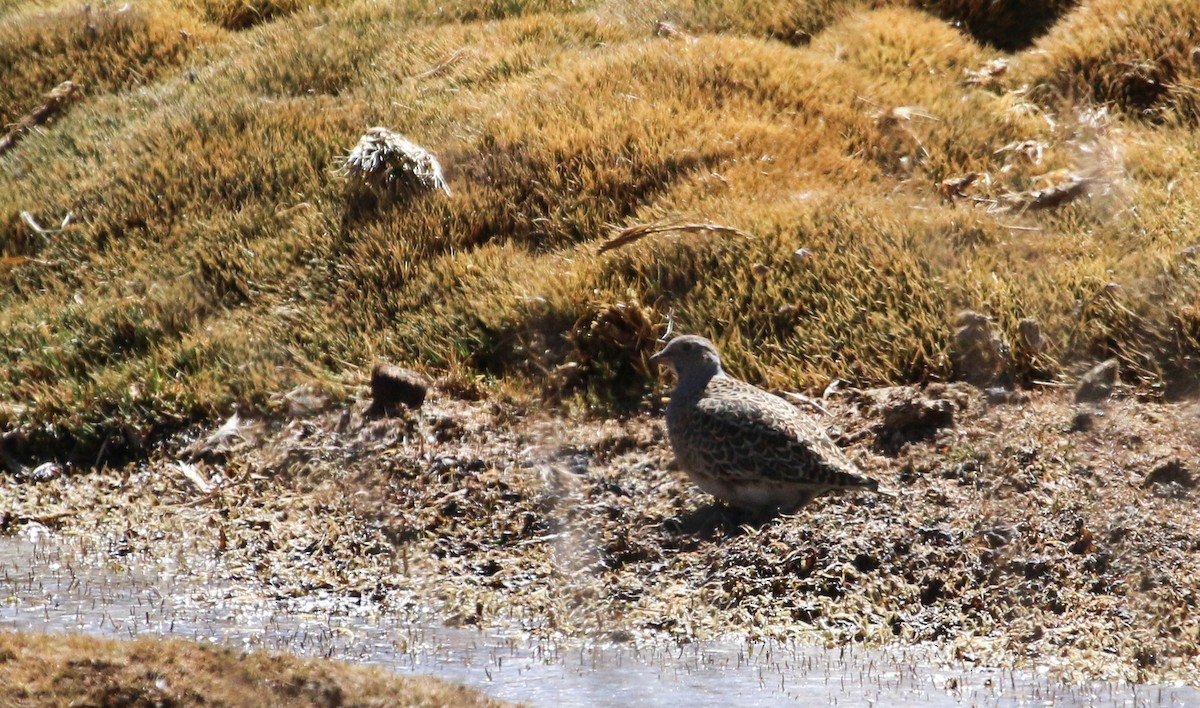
x: 657, y: 359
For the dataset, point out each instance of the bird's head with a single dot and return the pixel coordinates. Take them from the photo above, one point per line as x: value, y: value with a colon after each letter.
x: 690, y: 357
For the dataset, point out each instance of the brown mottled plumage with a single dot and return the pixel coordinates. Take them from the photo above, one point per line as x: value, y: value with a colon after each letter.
x: 744, y: 445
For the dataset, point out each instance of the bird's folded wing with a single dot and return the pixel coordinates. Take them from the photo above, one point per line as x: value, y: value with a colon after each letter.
x: 745, y: 438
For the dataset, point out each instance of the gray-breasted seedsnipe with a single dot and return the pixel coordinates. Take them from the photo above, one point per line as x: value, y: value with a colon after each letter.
x: 743, y: 445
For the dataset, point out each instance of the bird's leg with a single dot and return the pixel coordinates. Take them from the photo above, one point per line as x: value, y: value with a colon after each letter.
x: 801, y: 500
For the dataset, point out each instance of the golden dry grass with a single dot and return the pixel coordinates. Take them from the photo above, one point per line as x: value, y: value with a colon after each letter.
x: 214, y: 259
x: 1142, y: 57
x: 102, y: 47
x: 74, y: 670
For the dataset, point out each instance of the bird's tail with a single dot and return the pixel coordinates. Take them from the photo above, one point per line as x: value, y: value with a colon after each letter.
x: 873, y: 485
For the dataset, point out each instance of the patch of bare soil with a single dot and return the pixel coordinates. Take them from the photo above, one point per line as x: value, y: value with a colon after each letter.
x: 71, y: 670
x: 1024, y: 529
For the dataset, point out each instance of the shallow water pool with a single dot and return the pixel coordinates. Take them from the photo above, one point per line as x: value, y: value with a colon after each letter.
x: 49, y: 584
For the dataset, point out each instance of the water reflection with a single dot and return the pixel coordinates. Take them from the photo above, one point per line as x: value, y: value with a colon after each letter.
x: 50, y: 585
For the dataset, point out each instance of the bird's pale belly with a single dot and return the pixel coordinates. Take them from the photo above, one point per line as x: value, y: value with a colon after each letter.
x: 742, y: 492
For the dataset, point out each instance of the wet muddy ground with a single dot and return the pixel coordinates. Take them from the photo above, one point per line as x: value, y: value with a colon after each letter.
x: 1027, y: 533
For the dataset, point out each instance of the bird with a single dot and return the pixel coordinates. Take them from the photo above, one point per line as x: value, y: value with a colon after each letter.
x: 747, y: 447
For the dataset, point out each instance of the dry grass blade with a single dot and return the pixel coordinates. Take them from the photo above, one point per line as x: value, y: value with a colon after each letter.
x: 193, y: 474
x: 641, y: 231
x: 1032, y: 149
x: 801, y: 398
x: 233, y: 435
x: 445, y: 65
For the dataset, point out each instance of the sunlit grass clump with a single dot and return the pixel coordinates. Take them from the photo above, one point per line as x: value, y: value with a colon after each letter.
x: 209, y: 263
x: 59, y: 670
x: 1142, y: 56
x: 101, y: 47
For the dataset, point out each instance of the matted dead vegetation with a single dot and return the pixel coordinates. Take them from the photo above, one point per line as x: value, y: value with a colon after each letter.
x: 73, y: 670
x: 1024, y: 532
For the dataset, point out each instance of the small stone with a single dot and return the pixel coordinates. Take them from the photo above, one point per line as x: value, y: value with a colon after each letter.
x: 1031, y: 335
x: 1084, y: 420
x: 980, y: 355
x: 1098, y: 383
x: 45, y: 472
x: 1170, y: 472
x: 394, y: 385
x: 905, y: 410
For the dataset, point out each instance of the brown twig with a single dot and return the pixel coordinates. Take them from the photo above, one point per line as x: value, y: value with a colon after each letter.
x: 56, y: 100
x: 1065, y: 192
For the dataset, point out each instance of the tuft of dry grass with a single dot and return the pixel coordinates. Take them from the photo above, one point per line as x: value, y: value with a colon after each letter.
x: 71, y: 670
x: 1139, y: 56
x: 244, y: 14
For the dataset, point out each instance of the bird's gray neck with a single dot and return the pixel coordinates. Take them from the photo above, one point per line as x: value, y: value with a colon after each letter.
x: 693, y: 383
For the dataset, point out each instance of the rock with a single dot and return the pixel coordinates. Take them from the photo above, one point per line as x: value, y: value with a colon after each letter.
x: 1085, y: 420
x: 1098, y: 383
x: 1031, y: 335
x: 907, y: 415
x: 393, y: 385
x: 998, y: 395
x: 979, y: 356
x: 1170, y: 472
x: 45, y: 472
